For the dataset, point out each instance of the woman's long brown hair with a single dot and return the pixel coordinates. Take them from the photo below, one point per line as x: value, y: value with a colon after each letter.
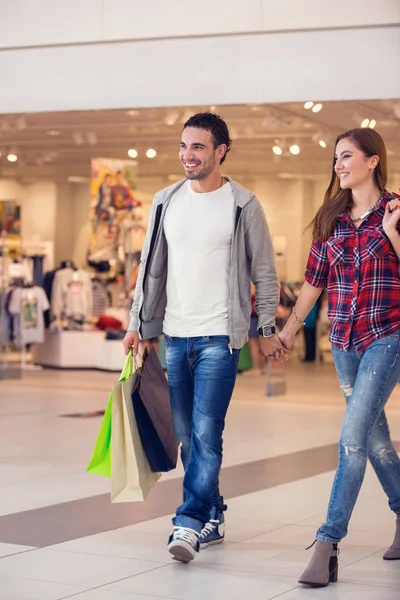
x: 336, y: 200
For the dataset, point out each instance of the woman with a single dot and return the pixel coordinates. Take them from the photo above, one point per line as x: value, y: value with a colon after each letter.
x: 355, y: 254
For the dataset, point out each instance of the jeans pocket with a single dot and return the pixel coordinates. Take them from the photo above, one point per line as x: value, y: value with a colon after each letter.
x: 220, y: 340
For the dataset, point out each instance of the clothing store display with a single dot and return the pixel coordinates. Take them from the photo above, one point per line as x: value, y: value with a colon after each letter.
x: 198, y: 291
x: 108, y: 322
x: 131, y: 235
x: 72, y: 294
x: 27, y: 306
x: 37, y: 269
x: 48, y: 281
x: 101, y: 297
x: 6, y: 320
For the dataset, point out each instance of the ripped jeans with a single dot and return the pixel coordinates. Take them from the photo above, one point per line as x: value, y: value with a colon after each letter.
x: 367, y: 380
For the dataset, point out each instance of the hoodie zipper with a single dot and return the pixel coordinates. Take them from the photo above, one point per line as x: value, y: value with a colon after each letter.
x: 239, y: 210
x: 149, y: 257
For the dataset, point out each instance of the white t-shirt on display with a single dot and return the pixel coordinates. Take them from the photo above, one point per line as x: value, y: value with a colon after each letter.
x: 28, y: 304
x: 198, y: 229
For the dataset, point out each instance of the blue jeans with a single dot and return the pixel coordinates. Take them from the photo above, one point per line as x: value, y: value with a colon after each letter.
x: 366, y: 380
x: 201, y: 377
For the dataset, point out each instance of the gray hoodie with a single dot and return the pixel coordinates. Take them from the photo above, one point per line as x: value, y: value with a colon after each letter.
x: 252, y: 258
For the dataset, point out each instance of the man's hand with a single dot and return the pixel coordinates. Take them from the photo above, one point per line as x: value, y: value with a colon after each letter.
x: 272, y: 347
x: 131, y: 340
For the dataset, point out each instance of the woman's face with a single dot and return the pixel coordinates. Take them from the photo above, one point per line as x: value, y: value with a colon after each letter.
x: 352, y: 166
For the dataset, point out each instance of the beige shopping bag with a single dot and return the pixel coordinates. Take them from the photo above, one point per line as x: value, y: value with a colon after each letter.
x: 131, y: 475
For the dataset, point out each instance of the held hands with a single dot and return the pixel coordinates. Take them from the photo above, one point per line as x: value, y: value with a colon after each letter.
x: 391, y: 217
x: 286, y: 340
x: 272, y: 347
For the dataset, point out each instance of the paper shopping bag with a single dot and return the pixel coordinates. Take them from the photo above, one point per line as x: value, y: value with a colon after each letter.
x: 131, y: 474
x: 152, y: 408
x: 100, y: 463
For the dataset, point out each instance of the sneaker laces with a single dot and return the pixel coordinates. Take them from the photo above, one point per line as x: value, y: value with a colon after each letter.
x: 209, y: 527
x: 186, y: 535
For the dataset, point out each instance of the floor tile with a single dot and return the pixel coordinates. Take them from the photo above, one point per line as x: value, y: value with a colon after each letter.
x: 237, y: 529
x: 122, y: 543
x: 373, y: 571
x: 190, y: 582
x: 9, y: 549
x: 300, y: 537
x: 261, y: 558
x: 102, y: 594
x: 25, y: 589
x: 341, y: 591
x: 85, y: 570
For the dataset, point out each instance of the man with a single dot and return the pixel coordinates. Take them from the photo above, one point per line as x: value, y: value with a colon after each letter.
x: 207, y: 238
x: 122, y: 195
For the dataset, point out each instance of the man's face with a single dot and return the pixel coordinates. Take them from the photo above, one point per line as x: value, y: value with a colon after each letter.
x: 118, y: 179
x: 197, y: 153
x: 108, y: 180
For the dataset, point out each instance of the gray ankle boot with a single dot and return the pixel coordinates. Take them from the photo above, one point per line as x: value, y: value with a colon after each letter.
x: 393, y: 553
x: 323, y: 567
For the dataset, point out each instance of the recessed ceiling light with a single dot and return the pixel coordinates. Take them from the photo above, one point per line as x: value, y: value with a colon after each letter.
x: 277, y: 150
x: 12, y: 157
x: 53, y: 132
x: 77, y: 179
x: 294, y: 149
x: 316, y: 108
x: 308, y: 105
x: 372, y: 123
x: 151, y: 153
x: 133, y: 113
x: 365, y: 123
x: 322, y: 143
x: 132, y: 153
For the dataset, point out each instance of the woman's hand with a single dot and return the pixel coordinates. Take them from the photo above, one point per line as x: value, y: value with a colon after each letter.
x: 391, y: 217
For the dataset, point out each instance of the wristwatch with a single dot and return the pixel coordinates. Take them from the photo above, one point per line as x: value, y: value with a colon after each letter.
x: 267, y: 331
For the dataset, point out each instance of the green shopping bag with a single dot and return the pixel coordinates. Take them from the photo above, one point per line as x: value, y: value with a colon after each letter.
x: 245, y: 362
x: 100, y: 463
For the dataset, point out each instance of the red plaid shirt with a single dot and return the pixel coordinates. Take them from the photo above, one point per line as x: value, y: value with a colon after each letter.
x: 361, y: 272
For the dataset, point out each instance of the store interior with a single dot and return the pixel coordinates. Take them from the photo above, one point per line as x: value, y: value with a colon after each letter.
x: 70, y: 261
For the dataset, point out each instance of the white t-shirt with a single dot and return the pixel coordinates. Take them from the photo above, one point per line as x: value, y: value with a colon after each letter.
x: 198, y: 229
x: 28, y: 305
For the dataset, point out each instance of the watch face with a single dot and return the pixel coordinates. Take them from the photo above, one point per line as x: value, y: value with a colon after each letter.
x: 267, y: 331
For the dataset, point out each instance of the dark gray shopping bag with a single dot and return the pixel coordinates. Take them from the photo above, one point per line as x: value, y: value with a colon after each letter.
x: 152, y: 408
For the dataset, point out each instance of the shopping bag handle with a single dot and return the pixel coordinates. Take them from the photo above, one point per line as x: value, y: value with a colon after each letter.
x: 129, y: 367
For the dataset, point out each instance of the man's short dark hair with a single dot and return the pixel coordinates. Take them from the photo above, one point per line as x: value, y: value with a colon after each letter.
x: 215, y: 125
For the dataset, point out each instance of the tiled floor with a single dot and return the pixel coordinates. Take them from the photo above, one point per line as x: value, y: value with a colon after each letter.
x: 43, y: 484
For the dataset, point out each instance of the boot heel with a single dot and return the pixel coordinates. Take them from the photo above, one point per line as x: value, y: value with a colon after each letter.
x: 333, y: 569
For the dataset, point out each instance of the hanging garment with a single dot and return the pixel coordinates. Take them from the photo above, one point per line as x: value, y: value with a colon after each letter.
x: 72, y: 294
x: 27, y: 305
x: 101, y: 298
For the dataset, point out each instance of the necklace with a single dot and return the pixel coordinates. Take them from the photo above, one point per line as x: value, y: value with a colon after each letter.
x: 364, y: 215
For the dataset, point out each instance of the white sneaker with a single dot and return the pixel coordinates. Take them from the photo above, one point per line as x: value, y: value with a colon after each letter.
x: 184, y: 544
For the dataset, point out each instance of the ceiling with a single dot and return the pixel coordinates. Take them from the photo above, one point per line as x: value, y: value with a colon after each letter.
x: 59, y: 145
